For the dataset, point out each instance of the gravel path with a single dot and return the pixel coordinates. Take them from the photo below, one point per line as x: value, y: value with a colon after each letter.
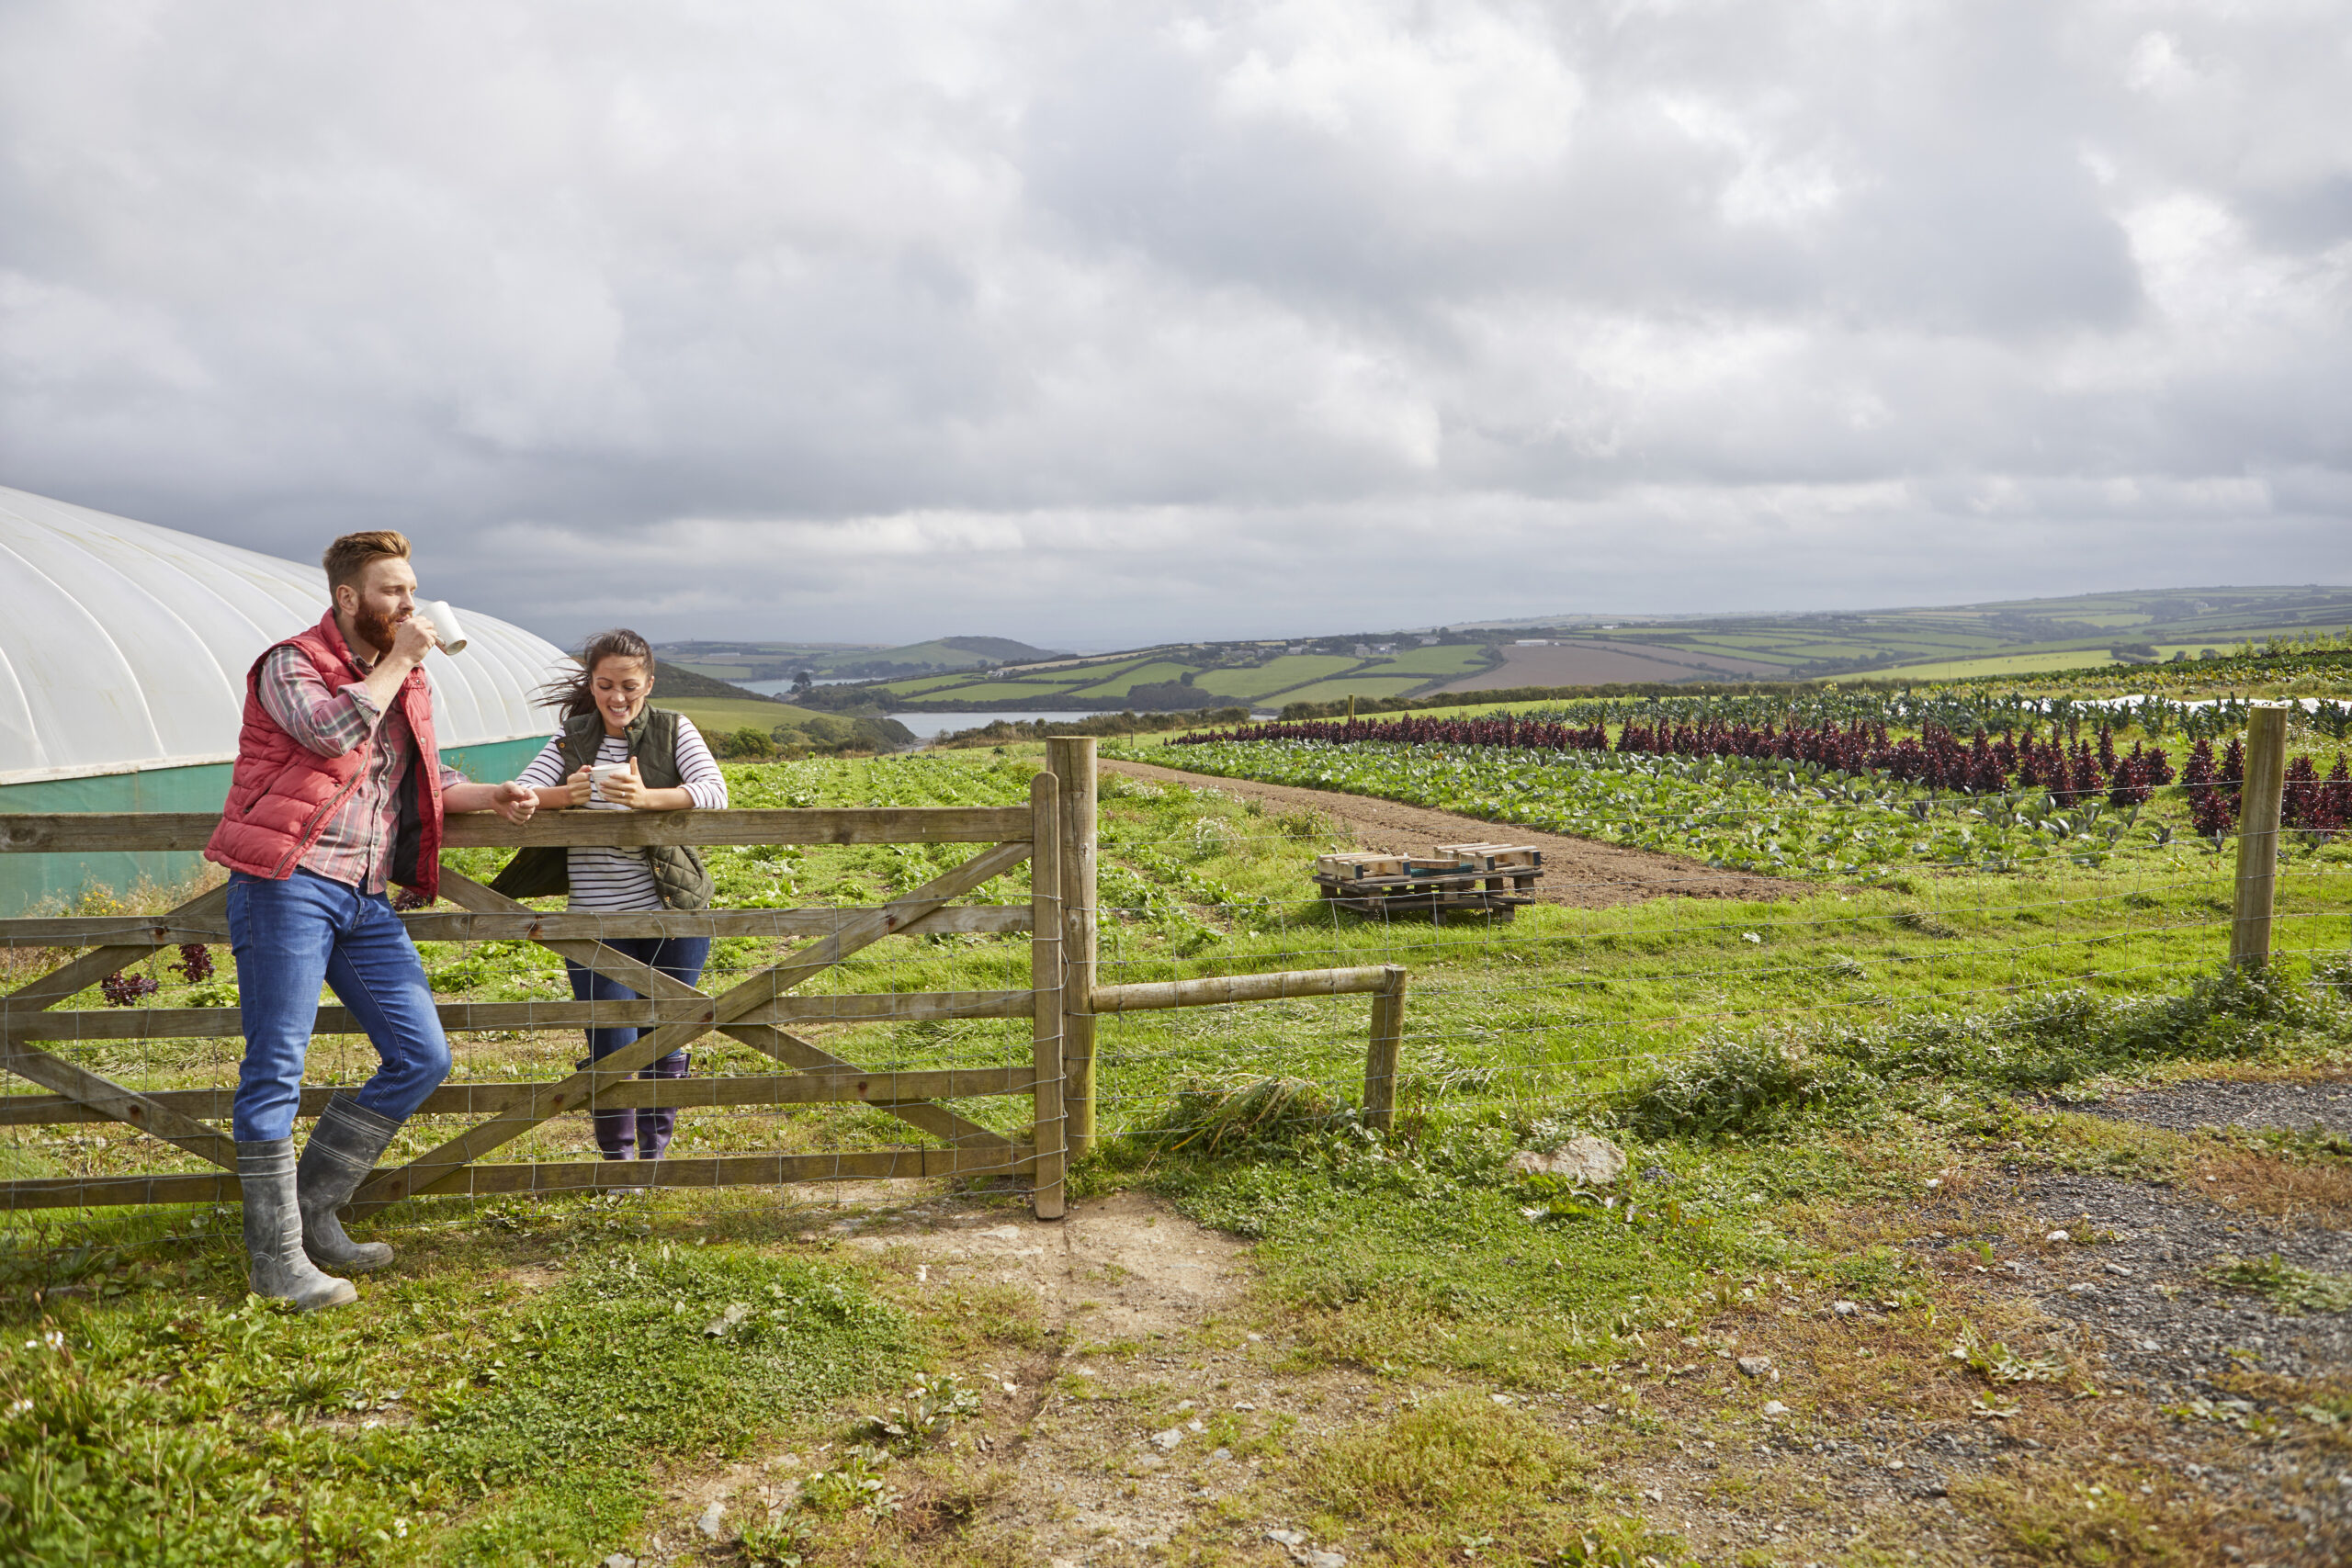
x: 2186, y: 1106
x: 1579, y: 873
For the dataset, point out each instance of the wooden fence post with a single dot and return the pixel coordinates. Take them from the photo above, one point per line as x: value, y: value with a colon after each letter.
x: 1070, y: 759
x: 1380, y: 1056
x: 1048, y: 1133
x: 2259, y: 797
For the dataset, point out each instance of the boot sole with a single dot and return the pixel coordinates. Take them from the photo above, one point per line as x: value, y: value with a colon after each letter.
x: 343, y: 1298
x: 346, y: 1265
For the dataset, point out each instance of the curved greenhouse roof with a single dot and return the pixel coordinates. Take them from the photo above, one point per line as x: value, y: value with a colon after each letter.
x: 124, y: 646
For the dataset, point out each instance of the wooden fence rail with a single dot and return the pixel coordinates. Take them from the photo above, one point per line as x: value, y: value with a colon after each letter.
x: 1053, y: 834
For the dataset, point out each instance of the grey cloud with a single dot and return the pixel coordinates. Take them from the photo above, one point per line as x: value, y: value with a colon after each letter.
x: 1124, y: 322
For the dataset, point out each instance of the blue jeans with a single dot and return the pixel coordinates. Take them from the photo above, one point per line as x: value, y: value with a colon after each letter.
x: 291, y: 935
x: 642, y: 1135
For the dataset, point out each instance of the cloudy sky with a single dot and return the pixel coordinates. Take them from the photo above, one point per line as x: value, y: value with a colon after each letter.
x: 1093, y: 323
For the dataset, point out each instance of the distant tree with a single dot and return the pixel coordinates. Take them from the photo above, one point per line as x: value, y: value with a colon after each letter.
x: 748, y: 744
x: 802, y: 681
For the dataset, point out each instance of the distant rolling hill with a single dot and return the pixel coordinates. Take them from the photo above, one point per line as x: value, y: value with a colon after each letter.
x: 2012, y: 636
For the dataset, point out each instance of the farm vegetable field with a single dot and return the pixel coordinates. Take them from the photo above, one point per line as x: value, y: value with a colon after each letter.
x: 1800, y: 797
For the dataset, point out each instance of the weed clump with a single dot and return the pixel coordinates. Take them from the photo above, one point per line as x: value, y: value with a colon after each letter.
x: 1769, y: 1083
x: 2289, y: 1289
x: 1455, y: 1458
x: 1217, y: 1120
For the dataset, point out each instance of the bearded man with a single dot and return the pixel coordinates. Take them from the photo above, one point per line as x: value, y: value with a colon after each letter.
x: 338, y: 791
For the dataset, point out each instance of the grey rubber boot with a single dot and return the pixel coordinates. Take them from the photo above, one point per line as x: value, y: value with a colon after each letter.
x: 343, y: 1150
x: 274, y: 1231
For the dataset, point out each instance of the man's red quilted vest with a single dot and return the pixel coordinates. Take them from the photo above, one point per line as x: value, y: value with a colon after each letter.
x: 281, y: 792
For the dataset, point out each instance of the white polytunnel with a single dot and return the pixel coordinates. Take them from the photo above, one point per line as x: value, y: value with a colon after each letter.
x: 123, y: 653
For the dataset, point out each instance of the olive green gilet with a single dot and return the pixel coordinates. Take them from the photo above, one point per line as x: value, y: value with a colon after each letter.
x: 678, y: 871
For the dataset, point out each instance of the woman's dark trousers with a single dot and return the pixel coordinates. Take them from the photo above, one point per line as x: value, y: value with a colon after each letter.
x: 641, y: 1134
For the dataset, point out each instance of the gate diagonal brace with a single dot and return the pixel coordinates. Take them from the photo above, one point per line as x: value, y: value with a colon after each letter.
x: 108, y: 1098
x: 430, y: 1171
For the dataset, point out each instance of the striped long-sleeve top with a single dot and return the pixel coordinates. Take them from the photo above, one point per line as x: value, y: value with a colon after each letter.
x: 605, y: 878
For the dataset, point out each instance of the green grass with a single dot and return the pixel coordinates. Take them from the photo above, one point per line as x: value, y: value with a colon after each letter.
x: 1996, y: 664
x: 1131, y: 676
x: 1275, y: 675
x: 1348, y: 686
x: 718, y: 716
x: 448, y: 1416
x: 1445, y: 659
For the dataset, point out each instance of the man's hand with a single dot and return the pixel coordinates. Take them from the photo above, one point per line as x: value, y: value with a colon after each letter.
x: 412, y: 639
x: 515, y: 802
x: 511, y: 800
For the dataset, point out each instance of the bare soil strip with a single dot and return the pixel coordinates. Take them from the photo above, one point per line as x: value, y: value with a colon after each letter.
x: 1579, y: 873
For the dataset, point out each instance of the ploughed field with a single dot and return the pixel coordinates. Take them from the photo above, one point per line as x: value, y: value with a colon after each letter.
x: 1883, y: 1116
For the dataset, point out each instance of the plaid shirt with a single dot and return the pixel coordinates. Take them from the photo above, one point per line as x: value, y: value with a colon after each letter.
x: 356, y: 848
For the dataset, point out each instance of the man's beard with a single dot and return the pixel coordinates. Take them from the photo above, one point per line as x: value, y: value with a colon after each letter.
x: 375, y: 628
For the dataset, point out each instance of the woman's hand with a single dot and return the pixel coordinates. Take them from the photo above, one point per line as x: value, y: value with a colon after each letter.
x: 626, y: 788
x: 579, y: 788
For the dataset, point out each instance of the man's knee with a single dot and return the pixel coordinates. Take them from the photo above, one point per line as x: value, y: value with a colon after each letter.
x: 432, y: 1061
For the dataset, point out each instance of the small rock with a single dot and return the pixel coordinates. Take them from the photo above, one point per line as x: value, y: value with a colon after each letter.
x: 1193, y: 1427
x: 2057, y: 1236
x: 2085, y: 1288
x: 1499, y: 1398
x: 711, y: 1518
x: 2118, y: 1269
x: 1774, y: 1407
x: 1222, y: 1453
x: 1169, y: 1438
x: 1587, y: 1162
x: 1755, y: 1366
x: 1255, y: 1338
x: 1845, y: 1309
x: 1324, y: 1559
x: 1287, y: 1538
x: 621, y: 1560
x: 1243, y: 1405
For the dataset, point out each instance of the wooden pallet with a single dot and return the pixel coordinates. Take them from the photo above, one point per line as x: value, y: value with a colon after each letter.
x: 1488, y: 880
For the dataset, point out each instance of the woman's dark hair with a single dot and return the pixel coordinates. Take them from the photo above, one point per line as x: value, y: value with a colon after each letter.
x: 571, y: 696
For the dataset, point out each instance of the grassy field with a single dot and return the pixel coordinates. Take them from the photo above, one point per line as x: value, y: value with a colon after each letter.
x: 1793, y: 1078
x: 719, y: 716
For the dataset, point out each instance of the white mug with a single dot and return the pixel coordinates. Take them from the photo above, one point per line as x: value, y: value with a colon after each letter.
x: 444, y: 621
x: 598, y: 773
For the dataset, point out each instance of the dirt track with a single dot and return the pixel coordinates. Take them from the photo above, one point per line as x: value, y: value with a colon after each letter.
x: 1579, y: 872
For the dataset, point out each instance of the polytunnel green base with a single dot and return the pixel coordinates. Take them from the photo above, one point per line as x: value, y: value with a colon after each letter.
x: 58, y: 884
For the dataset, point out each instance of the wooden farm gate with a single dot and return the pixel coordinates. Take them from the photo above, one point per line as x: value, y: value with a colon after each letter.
x: 1053, y: 834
